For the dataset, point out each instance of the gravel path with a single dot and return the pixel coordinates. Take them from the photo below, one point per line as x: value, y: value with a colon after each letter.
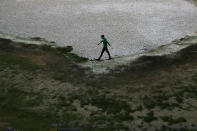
x: 130, y: 26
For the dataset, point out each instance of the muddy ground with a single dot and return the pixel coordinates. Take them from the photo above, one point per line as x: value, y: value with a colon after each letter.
x: 44, y: 88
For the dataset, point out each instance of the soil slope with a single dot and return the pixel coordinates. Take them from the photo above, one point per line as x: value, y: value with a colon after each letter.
x: 44, y: 88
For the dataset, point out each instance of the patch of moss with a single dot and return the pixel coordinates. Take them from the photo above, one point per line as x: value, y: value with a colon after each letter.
x: 25, y: 63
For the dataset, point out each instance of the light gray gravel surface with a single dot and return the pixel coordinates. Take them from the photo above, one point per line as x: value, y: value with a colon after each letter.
x: 131, y: 26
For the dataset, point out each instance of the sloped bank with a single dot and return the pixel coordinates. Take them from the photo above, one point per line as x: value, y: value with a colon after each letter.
x: 41, y: 89
x: 106, y: 65
x: 193, y: 2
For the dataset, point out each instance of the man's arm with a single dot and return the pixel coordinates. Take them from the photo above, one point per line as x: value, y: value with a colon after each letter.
x: 108, y: 43
x: 100, y: 42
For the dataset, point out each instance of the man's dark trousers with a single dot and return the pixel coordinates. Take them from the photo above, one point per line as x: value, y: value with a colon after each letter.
x: 103, y: 50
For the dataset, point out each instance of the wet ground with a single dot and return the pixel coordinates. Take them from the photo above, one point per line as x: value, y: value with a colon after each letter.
x: 130, y: 26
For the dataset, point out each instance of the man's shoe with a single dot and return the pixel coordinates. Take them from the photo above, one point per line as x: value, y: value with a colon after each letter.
x: 110, y: 58
x: 98, y: 59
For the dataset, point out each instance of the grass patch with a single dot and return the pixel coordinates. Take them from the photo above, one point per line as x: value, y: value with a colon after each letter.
x: 22, y: 120
x: 179, y: 99
x: 172, y: 121
x: 124, y: 117
x: 109, y: 105
x: 17, y: 99
x: 28, y: 46
x: 13, y: 110
x: 139, y: 108
x: 149, y: 117
x: 37, y: 38
x: 161, y: 101
x: 66, y: 52
x: 76, y: 58
x: 71, y: 119
x: 108, y: 123
x: 99, y: 119
x: 25, y: 63
x: 149, y: 103
x: 6, y: 45
x: 65, y: 49
x: 45, y: 47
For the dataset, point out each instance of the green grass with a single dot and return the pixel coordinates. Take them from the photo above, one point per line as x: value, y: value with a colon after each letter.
x: 24, y: 120
x: 148, y: 102
x: 70, y: 117
x: 25, y: 63
x: 76, y: 58
x: 179, y: 99
x: 6, y: 46
x: 99, y: 119
x: 46, y: 47
x: 139, y: 108
x: 111, y: 106
x: 161, y: 101
x: 66, y: 52
x: 37, y: 38
x: 124, y: 117
x: 109, y: 123
x: 13, y: 98
x: 14, y: 107
x: 65, y: 49
x: 172, y: 121
x: 149, y: 117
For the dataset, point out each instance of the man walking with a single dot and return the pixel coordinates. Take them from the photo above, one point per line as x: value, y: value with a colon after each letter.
x: 105, y: 43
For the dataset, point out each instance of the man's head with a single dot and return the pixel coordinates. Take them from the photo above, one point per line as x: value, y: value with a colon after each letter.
x: 102, y: 36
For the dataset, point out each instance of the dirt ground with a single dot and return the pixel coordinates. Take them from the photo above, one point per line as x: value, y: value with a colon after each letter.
x: 44, y: 88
